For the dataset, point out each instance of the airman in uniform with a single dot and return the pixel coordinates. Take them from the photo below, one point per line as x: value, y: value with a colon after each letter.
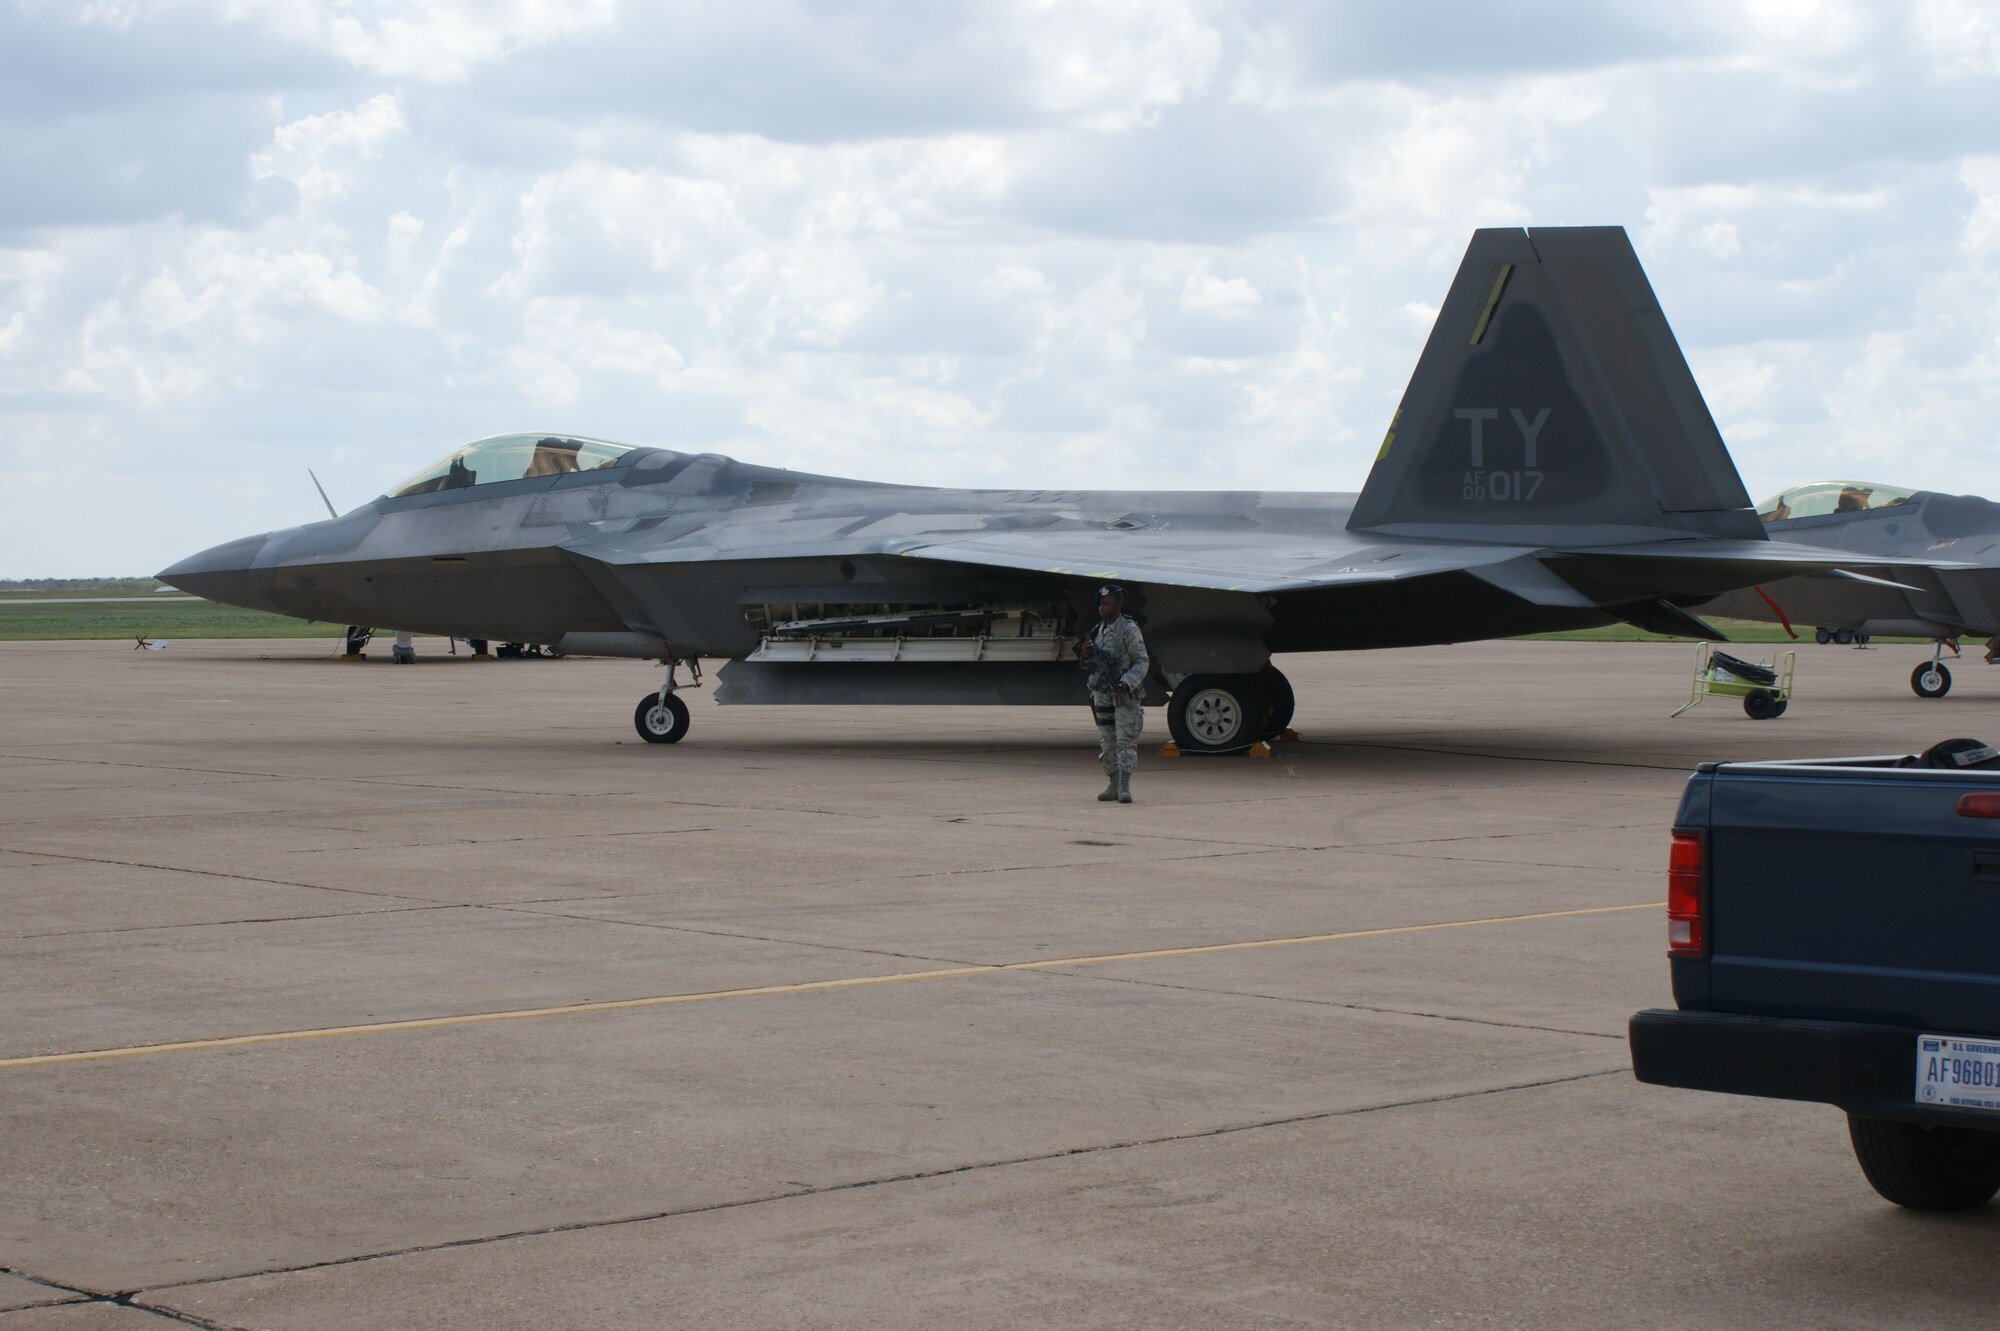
x: 1114, y: 652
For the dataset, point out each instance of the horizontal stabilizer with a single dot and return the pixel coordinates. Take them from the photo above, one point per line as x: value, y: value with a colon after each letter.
x: 1849, y: 575
x: 1534, y: 582
x: 1694, y: 570
x: 1667, y: 618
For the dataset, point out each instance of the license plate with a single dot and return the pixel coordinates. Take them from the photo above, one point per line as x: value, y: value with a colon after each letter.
x: 1957, y: 1071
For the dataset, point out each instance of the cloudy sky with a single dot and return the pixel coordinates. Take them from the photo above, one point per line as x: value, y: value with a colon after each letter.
x: 993, y: 242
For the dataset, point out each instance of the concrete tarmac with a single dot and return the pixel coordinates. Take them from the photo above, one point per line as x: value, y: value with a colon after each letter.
x: 361, y: 996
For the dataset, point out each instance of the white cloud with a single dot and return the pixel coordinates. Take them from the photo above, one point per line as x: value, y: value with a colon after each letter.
x: 321, y: 154
x: 1982, y: 224
x: 1465, y: 159
x: 437, y: 41
x: 1802, y: 39
x: 545, y: 379
x: 1205, y: 291
x: 1720, y: 239
x: 1005, y: 242
x: 1111, y: 64
x: 1962, y: 37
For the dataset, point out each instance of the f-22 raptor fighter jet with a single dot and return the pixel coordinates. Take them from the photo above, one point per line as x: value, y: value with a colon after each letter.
x: 1552, y: 466
x: 1945, y: 551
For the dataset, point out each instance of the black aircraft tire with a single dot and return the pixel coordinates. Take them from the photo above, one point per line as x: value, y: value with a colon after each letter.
x: 661, y: 722
x: 1845, y: 637
x: 1279, y: 700
x: 1760, y: 704
x: 1216, y: 713
x: 1822, y: 636
x: 1927, y: 1168
x: 1930, y: 681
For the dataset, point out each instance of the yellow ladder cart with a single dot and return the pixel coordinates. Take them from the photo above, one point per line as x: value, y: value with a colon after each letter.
x: 1764, y: 686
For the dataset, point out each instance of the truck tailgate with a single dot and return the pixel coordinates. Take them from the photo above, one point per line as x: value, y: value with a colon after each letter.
x: 1867, y: 899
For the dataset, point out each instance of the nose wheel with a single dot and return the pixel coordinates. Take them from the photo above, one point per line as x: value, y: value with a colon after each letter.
x: 661, y: 719
x: 1932, y: 679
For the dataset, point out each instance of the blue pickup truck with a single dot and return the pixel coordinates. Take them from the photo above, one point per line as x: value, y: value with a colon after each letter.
x: 1834, y: 933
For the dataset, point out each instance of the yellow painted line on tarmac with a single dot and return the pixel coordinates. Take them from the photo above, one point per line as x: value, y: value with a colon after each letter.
x: 806, y: 987
x: 1324, y: 938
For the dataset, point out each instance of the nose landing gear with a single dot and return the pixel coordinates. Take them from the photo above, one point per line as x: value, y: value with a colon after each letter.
x: 662, y: 718
x: 1932, y: 679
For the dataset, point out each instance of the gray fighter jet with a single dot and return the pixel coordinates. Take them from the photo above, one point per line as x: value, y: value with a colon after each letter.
x: 1945, y: 552
x: 1552, y: 466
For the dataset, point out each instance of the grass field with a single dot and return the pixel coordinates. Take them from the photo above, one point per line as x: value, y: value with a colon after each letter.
x: 18, y: 588
x: 1739, y: 630
x: 165, y: 619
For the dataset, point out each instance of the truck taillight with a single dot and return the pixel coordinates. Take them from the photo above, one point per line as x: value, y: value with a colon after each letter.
x: 1686, y: 867
x: 1979, y: 806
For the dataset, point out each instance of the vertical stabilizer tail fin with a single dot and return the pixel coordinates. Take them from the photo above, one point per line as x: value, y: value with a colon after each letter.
x: 1552, y: 395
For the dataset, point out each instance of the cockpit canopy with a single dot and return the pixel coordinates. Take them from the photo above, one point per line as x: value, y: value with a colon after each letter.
x: 513, y: 457
x: 1820, y: 498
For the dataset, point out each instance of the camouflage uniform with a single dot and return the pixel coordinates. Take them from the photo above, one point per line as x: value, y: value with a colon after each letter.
x: 1118, y: 656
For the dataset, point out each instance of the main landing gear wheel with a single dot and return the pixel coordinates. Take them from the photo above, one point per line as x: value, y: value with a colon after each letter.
x: 1822, y: 636
x: 1845, y: 637
x: 1930, y: 680
x: 661, y: 720
x: 1217, y: 713
x: 1279, y: 700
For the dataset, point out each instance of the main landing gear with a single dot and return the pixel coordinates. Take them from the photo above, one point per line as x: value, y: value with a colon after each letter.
x: 662, y: 718
x: 1845, y: 637
x: 1225, y: 713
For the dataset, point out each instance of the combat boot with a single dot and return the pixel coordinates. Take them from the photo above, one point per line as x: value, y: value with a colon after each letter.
x: 1123, y: 783
x: 1110, y: 791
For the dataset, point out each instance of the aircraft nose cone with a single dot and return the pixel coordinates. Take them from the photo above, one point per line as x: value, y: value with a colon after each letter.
x: 220, y: 573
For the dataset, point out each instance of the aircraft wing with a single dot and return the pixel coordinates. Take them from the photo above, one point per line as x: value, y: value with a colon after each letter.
x: 1238, y: 561
x: 1245, y: 559
x: 1255, y: 562
x: 1262, y: 562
